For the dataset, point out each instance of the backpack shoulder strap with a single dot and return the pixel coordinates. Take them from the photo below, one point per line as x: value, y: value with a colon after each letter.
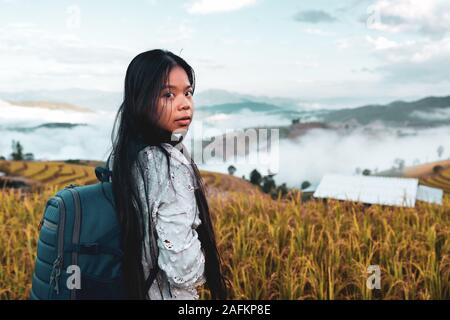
x: 104, y: 174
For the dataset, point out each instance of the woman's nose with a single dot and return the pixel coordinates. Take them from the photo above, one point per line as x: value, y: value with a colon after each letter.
x: 185, y: 104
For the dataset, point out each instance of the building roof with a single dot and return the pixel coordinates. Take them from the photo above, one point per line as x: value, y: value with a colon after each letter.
x: 429, y: 194
x: 376, y: 190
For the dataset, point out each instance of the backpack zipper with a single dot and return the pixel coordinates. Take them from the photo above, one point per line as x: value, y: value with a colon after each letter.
x: 76, y: 231
x: 58, y: 263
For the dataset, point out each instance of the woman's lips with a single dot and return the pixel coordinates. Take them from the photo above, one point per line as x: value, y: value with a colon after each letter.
x: 183, y: 122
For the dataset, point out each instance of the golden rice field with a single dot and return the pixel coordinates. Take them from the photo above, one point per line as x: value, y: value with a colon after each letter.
x: 59, y: 174
x: 427, y: 175
x: 50, y: 173
x: 440, y: 180
x: 283, y: 249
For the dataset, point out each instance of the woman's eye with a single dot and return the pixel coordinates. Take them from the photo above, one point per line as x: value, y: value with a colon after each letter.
x: 169, y: 94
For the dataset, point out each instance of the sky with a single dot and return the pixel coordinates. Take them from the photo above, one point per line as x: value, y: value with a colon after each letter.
x: 301, y: 49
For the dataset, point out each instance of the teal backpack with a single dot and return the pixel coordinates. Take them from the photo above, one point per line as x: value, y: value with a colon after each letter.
x: 79, y: 253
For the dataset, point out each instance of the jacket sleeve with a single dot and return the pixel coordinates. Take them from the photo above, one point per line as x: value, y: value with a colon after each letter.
x: 149, y: 187
x: 175, y: 215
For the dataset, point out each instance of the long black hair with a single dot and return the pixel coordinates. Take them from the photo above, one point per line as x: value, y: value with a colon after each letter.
x: 138, y: 125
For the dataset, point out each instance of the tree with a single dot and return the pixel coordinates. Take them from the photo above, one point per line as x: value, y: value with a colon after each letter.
x: 268, y: 184
x: 255, y: 177
x: 283, y: 189
x: 305, y: 184
x: 2, y: 158
x: 440, y: 151
x: 270, y: 173
x: 77, y: 161
x: 366, y: 172
x: 400, y: 163
x: 17, y: 153
x: 438, y: 169
x: 231, y: 170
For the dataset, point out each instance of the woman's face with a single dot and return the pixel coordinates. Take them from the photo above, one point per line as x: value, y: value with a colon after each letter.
x: 176, y: 104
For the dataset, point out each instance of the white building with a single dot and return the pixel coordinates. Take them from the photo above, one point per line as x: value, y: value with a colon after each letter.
x: 377, y: 190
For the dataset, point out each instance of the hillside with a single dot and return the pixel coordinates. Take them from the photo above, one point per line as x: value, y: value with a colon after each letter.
x: 434, y: 174
x: 49, y: 125
x: 429, y: 111
x: 40, y: 174
x: 232, y: 108
x: 423, y: 113
x: 49, y: 105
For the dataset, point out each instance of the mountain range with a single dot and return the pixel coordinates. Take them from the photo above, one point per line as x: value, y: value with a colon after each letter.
x: 425, y: 112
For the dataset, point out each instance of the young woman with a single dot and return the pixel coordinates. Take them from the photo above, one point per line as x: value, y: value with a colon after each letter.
x: 160, y: 197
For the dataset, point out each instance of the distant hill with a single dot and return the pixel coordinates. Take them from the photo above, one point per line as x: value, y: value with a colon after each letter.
x: 111, y: 100
x: 421, y: 113
x: 426, y: 112
x: 213, y: 97
x: 91, y: 99
x: 230, y: 108
x: 49, y: 105
x: 50, y: 125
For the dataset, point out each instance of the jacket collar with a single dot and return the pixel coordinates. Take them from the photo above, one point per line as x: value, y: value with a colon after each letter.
x: 182, y: 156
x: 178, y: 151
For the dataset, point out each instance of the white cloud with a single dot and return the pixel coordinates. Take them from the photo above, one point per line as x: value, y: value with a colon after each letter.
x: 319, y: 152
x: 243, y: 119
x: 214, y: 6
x: 381, y: 43
x: 28, y: 39
x: 431, y: 50
x: 430, y: 17
x: 82, y: 142
x: 418, y: 59
x: 413, y: 60
x: 438, y: 114
x: 51, y: 60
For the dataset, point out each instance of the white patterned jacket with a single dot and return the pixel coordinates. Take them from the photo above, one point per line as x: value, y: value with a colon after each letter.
x: 170, y: 201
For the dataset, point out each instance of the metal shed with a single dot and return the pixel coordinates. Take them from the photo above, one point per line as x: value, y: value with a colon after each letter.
x: 376, y: 190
